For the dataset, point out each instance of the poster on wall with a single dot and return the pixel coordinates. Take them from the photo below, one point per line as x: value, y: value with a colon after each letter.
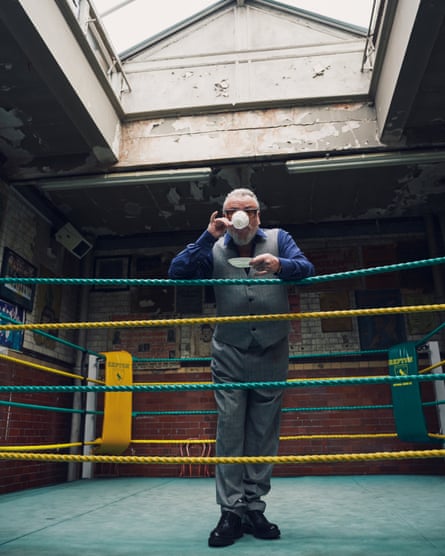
x: 380, y: 331
x: 331, y: 261
x: 422, y: 322
x: 202, y: 340
x: 152, y: 299
x: 9, y: 313
x: 112, y: 268
x: 335, y: 301
x: 189, y: 300
x: 47, y: 309
x: 16, y: 266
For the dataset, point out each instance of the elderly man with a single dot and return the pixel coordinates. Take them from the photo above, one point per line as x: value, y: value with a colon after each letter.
x: 234, y: 246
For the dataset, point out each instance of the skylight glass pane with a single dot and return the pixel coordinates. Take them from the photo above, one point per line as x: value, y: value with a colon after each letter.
x: 130, y: 22
x: 356, y: 12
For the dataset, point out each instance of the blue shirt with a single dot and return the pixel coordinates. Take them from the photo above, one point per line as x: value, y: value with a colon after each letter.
x: 196, y: 260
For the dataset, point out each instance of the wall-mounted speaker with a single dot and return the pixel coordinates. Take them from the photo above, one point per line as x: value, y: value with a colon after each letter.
x: 73, y: 241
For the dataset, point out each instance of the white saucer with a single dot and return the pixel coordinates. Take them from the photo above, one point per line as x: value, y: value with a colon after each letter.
x: 240, y: 262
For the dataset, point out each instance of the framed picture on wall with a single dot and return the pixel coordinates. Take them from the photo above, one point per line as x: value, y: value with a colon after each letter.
x: 47, y: 309
x: 111, y: 267
x: 16, y: 266
x: 152, y: 299
x: 189, y: 300
x: 11, y: 314
x: 335, y: 301
x: 380, y: 331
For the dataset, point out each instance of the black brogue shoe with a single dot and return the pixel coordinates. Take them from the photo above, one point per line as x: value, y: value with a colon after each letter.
x: 229, y: 529
x: 256, y: 524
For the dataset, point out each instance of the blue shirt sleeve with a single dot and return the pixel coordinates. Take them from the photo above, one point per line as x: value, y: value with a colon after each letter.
x: 294, y: 264
x: 195, y: 261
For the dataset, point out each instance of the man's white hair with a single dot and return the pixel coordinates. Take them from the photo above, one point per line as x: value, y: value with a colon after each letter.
x: 241, y: 192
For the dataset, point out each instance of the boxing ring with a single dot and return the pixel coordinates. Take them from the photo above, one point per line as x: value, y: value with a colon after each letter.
x: 295, y: 497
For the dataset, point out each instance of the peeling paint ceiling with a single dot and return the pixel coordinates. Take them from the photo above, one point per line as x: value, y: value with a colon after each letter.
x: 38, y: 138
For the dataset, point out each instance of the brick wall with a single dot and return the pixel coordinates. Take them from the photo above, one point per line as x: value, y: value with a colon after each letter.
x: 346, y: 422
x: 21, y: 426
x: 308, y: 336
x: 23, y: 231
x: 31, y: 237
x: 320, y: 422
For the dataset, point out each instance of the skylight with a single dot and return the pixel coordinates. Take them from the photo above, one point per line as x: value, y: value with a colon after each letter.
x: 130, y: 22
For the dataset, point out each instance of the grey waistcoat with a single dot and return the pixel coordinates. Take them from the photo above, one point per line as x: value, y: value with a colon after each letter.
x: 247, y: 299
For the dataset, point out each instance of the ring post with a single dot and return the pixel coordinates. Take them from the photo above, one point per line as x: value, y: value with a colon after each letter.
x: 407, y: 402
x: 116, y: 427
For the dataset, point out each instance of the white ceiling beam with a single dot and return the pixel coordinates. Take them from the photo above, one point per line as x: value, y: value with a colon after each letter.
x: 406, y: 53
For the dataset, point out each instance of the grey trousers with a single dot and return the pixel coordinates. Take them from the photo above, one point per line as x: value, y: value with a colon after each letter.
x: 248, y: 421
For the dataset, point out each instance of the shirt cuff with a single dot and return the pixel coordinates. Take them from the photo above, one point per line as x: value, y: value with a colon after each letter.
x: 286, y: 269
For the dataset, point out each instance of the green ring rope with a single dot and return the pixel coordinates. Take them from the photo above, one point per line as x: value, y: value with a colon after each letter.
x: 299, y: 356
x: 50, y: 408
x: 207, y: 282
x: 284, y: 410
x: 210, y: 411
x: 228, y: 385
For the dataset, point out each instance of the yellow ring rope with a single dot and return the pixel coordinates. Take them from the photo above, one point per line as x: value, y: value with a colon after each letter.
x: 41, y: 447
x: 290, y: 380
x: 48, y: 369
x: 326, y: 458
x: 16, y: 452
x: 205, y: 320
x: 211, y: 440
x: 282, y: 438
x: 431, y: 367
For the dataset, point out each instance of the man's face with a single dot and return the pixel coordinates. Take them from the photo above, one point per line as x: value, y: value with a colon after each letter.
x: 249, y: 206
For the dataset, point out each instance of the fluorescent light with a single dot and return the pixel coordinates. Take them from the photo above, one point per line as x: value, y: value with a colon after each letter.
x: 399, y: 158
x: 121, y: 179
